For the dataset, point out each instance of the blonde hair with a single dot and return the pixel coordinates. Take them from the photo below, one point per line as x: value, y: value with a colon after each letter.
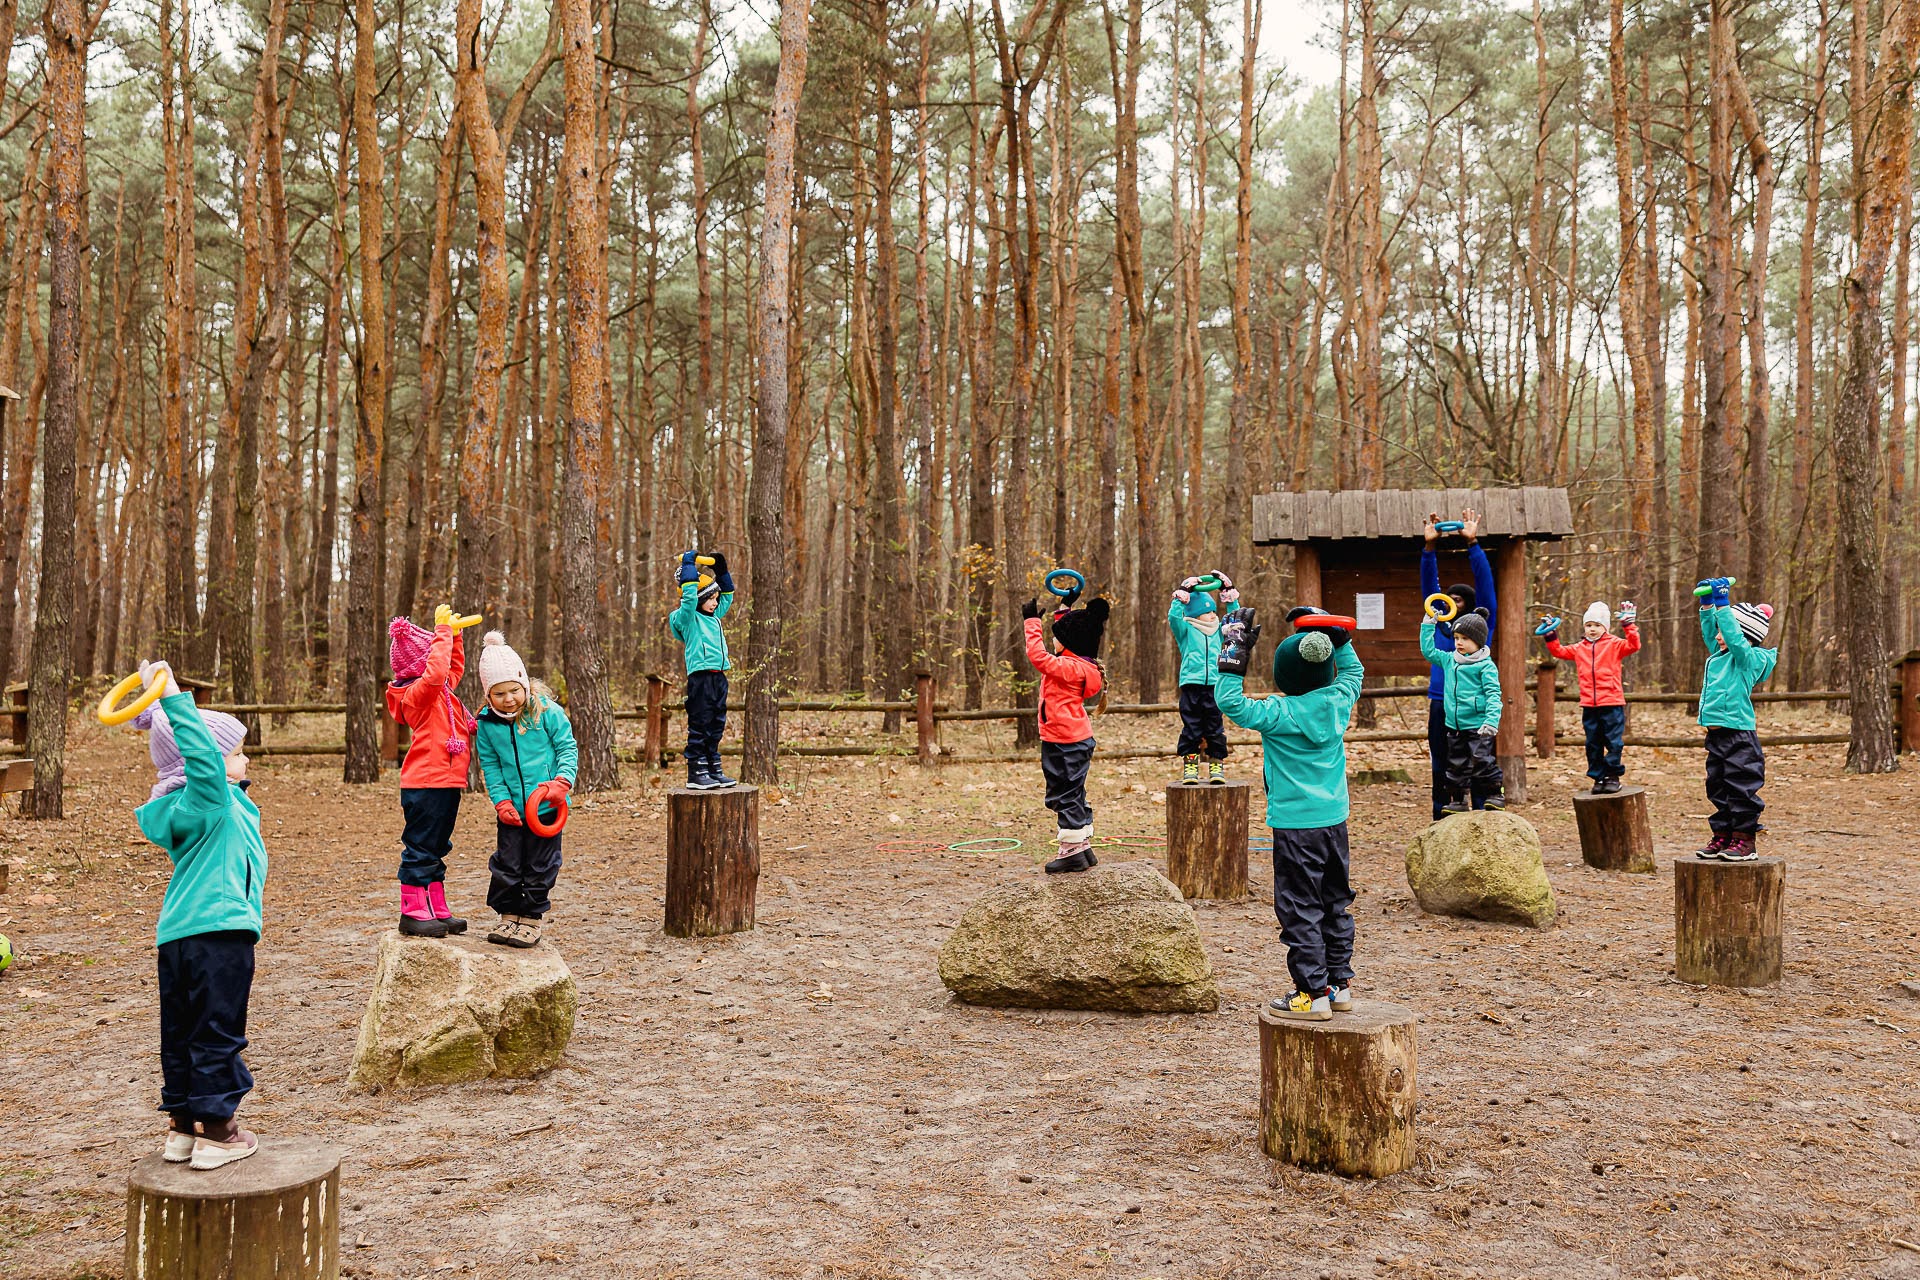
x: 539, y: 698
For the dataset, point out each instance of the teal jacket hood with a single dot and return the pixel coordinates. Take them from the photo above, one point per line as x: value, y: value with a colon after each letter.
x: 211, y: 831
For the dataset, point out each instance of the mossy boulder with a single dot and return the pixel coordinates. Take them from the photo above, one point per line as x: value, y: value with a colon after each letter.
x: 1485, y: 865
x: 1118, y: 938
x: 459, y: 1009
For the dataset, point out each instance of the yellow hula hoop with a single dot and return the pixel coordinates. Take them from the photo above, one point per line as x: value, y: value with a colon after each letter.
x: 111, y: 717
x: 1452, y: 607
x: 459, y: 623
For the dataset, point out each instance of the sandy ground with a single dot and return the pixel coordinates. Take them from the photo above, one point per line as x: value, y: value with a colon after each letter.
x: 804, y: 1100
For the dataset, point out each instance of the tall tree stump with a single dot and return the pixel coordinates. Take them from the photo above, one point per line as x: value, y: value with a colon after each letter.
x: 1614, y: 832
x: 713, y: 860
x: 1207, y: 839
x: 275, y: 1214
x: 1340, y: 1095
x: 1727, y: 921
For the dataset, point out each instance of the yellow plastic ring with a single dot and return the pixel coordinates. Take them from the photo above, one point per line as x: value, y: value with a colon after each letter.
x: 110, y: 717
x: 459, y: 623
x: 1452, y: 607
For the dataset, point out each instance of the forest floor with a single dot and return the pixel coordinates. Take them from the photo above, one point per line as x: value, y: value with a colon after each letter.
x: 805, y: 1101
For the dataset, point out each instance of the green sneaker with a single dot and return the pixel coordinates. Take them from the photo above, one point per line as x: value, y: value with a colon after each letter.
x: 1190, y: 771
x: 1217, y: 772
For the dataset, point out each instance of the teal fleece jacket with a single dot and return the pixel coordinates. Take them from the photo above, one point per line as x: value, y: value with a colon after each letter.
x: 705, y: 642
x: 1471, y: 693
x: 1199, y: 652
x: 1304, y: 743
x: 518, y: 755
x: 212, y: 832
x: 1726, y: 691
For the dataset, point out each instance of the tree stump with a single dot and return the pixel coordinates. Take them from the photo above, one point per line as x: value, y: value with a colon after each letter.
x: 1207, y: 839
x: 275, y: 1214
x: 1614, y: 832
x: 1727, y: 921
x: 1340, y: 1095
x: 713, y: 860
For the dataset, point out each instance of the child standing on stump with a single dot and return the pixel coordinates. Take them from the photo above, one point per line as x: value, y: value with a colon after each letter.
x: 1303, y: 738
x: 704, y: 600
x: 1736, y: 767
x: 426, y: 667
x: 1068, y: 680
x: 1196, y: 619
x: 1596, y: 659
x: 1466, y: 599
x: 209, y: 920
x: 1470, y: 703
x: 525, y: 740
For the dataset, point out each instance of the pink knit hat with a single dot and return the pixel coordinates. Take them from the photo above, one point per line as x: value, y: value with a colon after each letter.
x: 408, y: 651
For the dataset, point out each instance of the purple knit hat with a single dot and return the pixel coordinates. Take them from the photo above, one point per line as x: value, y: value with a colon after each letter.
x: 408, y: 650
x: 169, y: 769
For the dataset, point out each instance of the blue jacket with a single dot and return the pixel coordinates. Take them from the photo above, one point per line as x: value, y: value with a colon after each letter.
x: 1199, y: 652
x: 1726, y: 691
x: 518, y: 755
x: 1303, y: 744
x: 212, y: 832
x: 705, y: 642
x: 1482, y: 590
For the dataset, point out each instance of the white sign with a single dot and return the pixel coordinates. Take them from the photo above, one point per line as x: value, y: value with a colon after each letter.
x: 1370, y: 610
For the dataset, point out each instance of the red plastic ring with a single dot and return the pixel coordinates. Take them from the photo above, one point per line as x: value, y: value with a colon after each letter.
x: 540, y: 795
x: 1327, y: 620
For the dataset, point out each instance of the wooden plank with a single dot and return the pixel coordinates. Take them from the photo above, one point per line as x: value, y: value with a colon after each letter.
x: 1261, y: 506
x: 1280, y: 516
x: 16, y: 775
x: 1497, y: 512
x: 1319, y: 514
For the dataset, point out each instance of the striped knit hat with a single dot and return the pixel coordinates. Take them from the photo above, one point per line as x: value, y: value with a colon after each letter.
x: 1755, y: 621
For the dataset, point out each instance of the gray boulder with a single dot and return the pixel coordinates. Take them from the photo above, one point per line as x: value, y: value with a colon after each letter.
x: 1485, y: 865
x: 1117, y: 937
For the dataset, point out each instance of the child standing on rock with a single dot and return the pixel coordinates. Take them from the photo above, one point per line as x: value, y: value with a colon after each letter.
x: 525, y: 741
x: 1303, y: 740
x: 1596, y: 659
x: 1068, y: 680
x: 426, y: 667
x: 1736, y: 767
x: 209, y: 920
x: 704, y: 600
x: 1196, y: 618
x: 1470, y: 702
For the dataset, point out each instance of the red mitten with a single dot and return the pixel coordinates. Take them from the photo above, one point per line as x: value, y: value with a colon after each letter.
x: 508, y: 814
x: 561, y: 786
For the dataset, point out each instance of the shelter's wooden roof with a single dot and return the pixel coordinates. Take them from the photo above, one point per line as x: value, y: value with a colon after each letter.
x: 1535, y: 512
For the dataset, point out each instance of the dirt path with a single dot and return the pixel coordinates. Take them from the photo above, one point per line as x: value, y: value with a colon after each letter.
x: 804, y: 1101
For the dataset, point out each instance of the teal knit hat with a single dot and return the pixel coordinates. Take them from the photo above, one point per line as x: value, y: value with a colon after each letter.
x: 1302, y: 663
x: 1200, y: 604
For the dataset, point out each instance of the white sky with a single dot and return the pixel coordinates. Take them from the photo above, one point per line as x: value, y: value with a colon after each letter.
x: 1292, y: 35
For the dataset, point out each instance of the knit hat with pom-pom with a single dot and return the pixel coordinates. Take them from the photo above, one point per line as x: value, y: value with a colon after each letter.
x: 499, y: 664
x: 407, y: 648
x: 1755, y: 621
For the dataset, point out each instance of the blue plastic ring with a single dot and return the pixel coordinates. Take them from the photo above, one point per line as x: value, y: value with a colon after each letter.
x: 1079, y: 583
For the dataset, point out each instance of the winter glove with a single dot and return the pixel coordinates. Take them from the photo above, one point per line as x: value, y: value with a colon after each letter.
x: 1487, y: 731
x: 151, y: 671
x: 1722, y: 592
x: 1230, y: 596
x: 1183, y: 595
x: 1189, y: 583
x: 689, y: 571
x: 564, y: 786
x: 721, y: 575
x: 1300, y: 611
x: 1031, y: 609
x: 508, y: 814
x: 1237, y: 641
x: 1223, y: 579
x: 443, y: 617
x: 1629, y: 612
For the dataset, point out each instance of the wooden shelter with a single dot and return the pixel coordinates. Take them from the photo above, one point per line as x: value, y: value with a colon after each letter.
x: 1358, y: 552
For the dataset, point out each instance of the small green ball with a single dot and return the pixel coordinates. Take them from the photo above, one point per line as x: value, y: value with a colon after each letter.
x: 6, y: 953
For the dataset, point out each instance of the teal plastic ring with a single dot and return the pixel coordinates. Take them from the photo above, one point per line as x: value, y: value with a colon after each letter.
x: 1000, y: 844
x: 1079, y: 583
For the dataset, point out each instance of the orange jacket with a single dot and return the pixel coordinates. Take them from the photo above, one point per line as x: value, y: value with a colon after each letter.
x: 1596, y: 665
x: 428, y: 707
x: 1067, y: 680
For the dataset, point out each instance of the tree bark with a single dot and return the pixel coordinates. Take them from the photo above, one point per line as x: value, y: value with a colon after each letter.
x: 370, y: 422
x: 1233, y: 522
x: 1632, y: 321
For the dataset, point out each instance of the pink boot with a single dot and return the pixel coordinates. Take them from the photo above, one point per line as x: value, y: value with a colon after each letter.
x: 437, y: 900
x: 417, y: 919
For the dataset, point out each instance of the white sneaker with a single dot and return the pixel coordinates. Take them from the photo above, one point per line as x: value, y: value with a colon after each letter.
x: 179, y: 1147
x: 1302, y: 1007
x: 1341, y: 998
x: 209, y: 1154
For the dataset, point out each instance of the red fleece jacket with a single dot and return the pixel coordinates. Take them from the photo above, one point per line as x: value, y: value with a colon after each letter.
x: 1067, y: 680
x: 426, y: 706
x: 1596, y: 665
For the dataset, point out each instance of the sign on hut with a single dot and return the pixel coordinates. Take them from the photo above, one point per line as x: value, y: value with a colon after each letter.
x: 1358, y: 552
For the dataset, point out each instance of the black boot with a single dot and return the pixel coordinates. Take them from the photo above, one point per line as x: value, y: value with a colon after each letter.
x: 1078, y: 861
x: 717, y: 777
x: 696, y: 774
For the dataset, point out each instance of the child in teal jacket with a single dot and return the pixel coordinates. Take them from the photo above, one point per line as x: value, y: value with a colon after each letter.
x: 1196, y: 620
x: 1736, y: 767
x: 1303, y: 740
x: 704, y: 600
x: 524, y: 740
x: 210, y: 919
x: 1470, y: 700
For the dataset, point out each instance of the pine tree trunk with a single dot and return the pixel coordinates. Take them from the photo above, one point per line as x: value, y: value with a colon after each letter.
x: 370, y: 422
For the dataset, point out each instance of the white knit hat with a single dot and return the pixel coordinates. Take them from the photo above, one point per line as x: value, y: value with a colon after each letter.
x: 1600, y: 613
x: 499, y: 664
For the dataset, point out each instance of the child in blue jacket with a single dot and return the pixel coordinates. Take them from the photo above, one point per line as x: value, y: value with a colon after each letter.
x: 704, y: 600
x: 1303, y: 740
x: 1466, y: 599
x: 1736, y: 767
x: 210, y: 919
x: 1195, y: 619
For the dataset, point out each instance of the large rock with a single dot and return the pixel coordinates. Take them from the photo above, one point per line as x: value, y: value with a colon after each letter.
x: 1117, y: 937
x: 1485, y: 865
x: 446, y: 1012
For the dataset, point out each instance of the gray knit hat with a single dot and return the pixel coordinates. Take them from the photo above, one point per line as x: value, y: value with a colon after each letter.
x: 169, y: 769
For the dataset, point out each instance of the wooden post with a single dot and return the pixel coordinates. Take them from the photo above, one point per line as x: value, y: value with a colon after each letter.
x: 655, y: 751
x: 1727, y: 921
x: 713, y: 860
x: 1907, y: 723
x: 1207, y: 839
x: 1306, y: 575
x: 1614, y: 832
x: 17, y: 712
x: 1510, y: 655
x: 394, y: 737
x: 275, y: 1214
x: 924, y: 688
x: 1543, y: 695
x: 1340, y: 1095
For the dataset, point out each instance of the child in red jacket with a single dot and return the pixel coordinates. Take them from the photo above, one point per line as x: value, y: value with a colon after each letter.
x: 1068, y: 680
x: 1596, y: 659
x: 426, y: 667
